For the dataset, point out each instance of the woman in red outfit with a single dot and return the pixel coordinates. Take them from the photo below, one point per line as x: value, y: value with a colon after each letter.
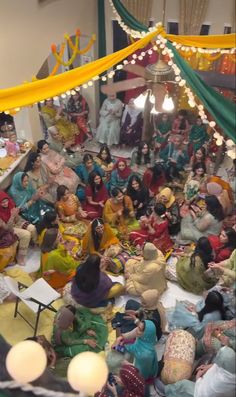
x: 224, y: 244
x: 96, y: 195
x: 154, y: 178
x: 154, y: 229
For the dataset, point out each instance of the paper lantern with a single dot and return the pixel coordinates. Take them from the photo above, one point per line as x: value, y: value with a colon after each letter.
x: 26, y: 361
x: 87, y: 373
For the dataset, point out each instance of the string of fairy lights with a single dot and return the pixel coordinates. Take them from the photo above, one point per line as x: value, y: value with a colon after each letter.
x: 158, y: 45
x: 139, y: 35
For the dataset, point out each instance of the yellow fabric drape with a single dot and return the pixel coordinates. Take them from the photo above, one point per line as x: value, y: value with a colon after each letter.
x: 30, y: 93
x: 212, y: 41
x: 33, y: 92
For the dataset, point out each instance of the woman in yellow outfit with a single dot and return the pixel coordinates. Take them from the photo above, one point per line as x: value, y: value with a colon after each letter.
x: 119, y: 213
x: 98, y: 238
x: 53, y: 116
x: 59, y: 257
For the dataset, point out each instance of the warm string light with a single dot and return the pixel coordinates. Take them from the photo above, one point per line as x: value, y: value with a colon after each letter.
x: 133, y: 33
x: 202, y: 50
x: 231, y: 146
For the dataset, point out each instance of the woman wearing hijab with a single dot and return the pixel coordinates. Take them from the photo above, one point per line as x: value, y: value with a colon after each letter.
x: 213, y: 380
x: 131, y: 382
x: 146, y: 273
x: 120, y: 175
x: 167, y: 198
x: 11, y: 220
x: 149, y: 308
x: 143, y: 349
x: 28, y: 200
x: 131, y: 125
x: 108, y: 130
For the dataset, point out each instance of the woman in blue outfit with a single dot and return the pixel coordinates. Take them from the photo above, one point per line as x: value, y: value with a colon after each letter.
x: 175, y: 157
x: 195, y: 319
x: 83, y: 171
x: 143, y: 349
x: 32, y: 206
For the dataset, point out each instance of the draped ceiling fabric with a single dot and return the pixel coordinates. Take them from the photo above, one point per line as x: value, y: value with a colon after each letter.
x: 33, y: 92
x: 140, y: 9
x: 217, y: 105
x: 191, y: 16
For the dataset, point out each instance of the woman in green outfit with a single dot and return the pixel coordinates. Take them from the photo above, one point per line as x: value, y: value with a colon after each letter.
x: 162, y: 130
x: 190, y: 272
x: 198, y: 135
x: 78, y: 330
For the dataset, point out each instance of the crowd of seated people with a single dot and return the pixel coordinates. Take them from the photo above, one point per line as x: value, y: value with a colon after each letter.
x: 93, y: 216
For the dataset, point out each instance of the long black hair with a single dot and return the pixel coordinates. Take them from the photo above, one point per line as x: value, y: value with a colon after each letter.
x: 49, y: 240
x: 41, y: 144
x: 160, y: 209
x: 105, y: 148
x: 31, y: 160
x: 231, y: 235
x: 197, y: 166
x: 88, y: 274
x: 95, y: 188
x: 203, y: 150
x: 204, y: 250
x: 61, y: 191
x: 130, y: 190
x: 214, y: 207
x: 157, y: 172
x: 183, y: 123
x: 214, y: 301
x: 95, y: 236
x: 48, y: 221
x: 87, y: 157
x: 140, y: 154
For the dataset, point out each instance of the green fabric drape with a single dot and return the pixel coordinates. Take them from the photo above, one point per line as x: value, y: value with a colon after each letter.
x: 222, y: 110
x: 127, y: 18
x: 218, y: 106
x: 102, y: 49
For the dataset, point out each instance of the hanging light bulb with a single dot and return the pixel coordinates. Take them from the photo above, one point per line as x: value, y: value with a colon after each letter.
x: 152, y: 99
x: 168, y: 104
x: 232, y: 154
x: 154, y: 111
x: 140, y: 100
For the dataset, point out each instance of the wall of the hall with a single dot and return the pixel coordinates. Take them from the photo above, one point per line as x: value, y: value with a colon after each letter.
x: 27, y: 30
x: 29, y: 27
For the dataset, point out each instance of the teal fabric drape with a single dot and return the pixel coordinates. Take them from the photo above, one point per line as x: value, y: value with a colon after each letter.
x: 127, y: 18
x: 222, y: 110
x: 102, y: 49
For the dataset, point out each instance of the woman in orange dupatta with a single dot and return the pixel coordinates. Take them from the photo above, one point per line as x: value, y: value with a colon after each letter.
x: 98, y: 238
x: 119, y: 213
x: 70, y: 213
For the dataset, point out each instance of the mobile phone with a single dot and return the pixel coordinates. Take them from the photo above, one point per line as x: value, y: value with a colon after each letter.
x: 119, y: 348
x: 111, y: 379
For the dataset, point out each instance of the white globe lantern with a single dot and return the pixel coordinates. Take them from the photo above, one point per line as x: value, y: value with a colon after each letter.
x: 87, y: 373
x: 26, y: 361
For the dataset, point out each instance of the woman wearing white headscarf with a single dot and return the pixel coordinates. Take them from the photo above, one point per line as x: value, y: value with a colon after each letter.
x: 131, y: 125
